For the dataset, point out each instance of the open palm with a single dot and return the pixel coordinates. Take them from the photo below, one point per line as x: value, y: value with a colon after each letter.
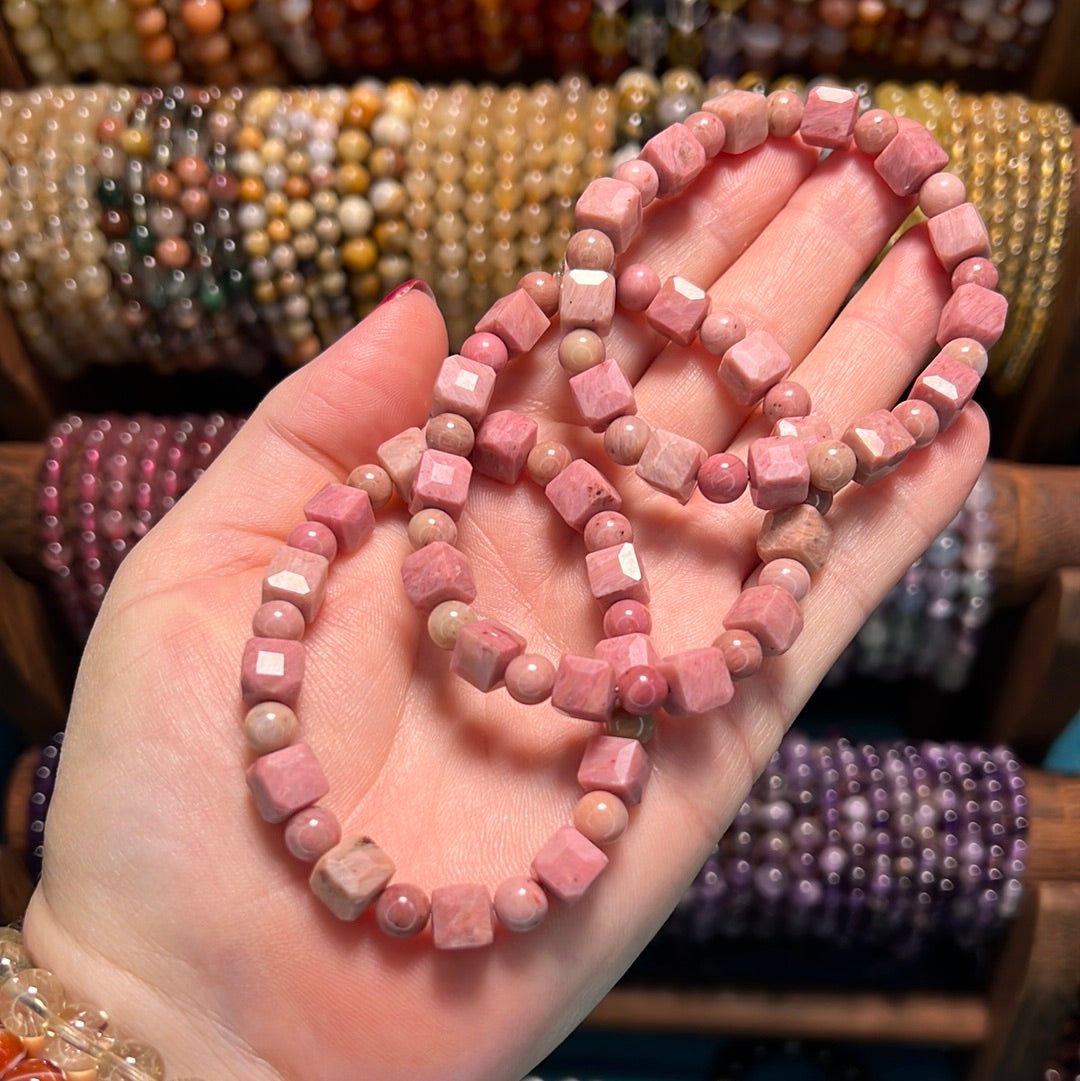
x: 166, y: 897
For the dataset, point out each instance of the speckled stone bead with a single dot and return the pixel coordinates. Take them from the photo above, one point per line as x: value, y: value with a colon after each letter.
x: 589, y: 249
x: 920, y: 419
x: 482, y: 651
x: 880, y: 443
x: 461, y: 917
x: 445, y: 621
x: 520, y: 904
x: 625, y: 651
x: 489, y: 349
x: 742, y: 653
x: 973, y: 312
x: 643, y: 177
x: 402, y: 910
x: 606, y: 529
x: 785, y: 399
x: 940, y: 193
x: 947, y: 385
x: 374, y: 480
x: 745, y: 116
x: 441, y: 481
x: 617, y: 765
x: 345, y: 511
x: 784, y: 111
x: 503, y: 443
x: 799, y: 533
x: 601, y: 394
x: 708, y: 129
x: 770, y: 613
x: 311, y: 833
x: 678, y: 310
x: 587, y: 299
x: 641, y: 689
x: 579, y: 491
x: 779, y: 473
x: 430, y: 525
x: 627, y: 617
x: 811, y: 429
x: 698, y: 680
x: 958, y: 234
x: 722, y: 478
x: 298, y: 577
x: 450, y: 433
x: 615, y: 574
x: 568, y: 864
x: 625, y: 439
x: 670, y: 463
x: 832, y: 465
x: 788, y: 574
x: 720, y: 330
x: 529, y: 678
x: 272, y: 670
x: 751, y: 366
x: 314, y: 537
x: 584, y: 687
x: 543, y: 289
x: 463, y: 386
x: 546, y: 461
x: 400, y: 456
x: 677, y: 157
x: 349, y: 877
x: 613, y: 207
x: 269, y: 726
x: 874, y: 130
x: 278, y: 619
x: 517, y: 320
x: 581, y: 349
x: 635, y: 287
x: 911, y: 156
x: 435, y: 573
x: 601, y: 817
x: 284, y: 781
x: 829, y: 117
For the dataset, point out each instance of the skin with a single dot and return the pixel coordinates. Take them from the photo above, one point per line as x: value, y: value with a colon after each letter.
x: 167, y: 899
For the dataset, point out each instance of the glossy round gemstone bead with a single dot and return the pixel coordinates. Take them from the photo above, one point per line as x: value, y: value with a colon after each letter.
x: 451, y: 434
x: 26, y: 998
x: 978, y: 270
x: 589, y: 249
x: 543, y: 288
x: 269, y: 726
x: 278, y: 619
x: 785, y: 399
x: 874, y: 130
x: 722, y: 478
x: 785, y: 112
x: 642, y: 689
x: 941, y: 192
x: 313, y: 537
x: 529, y: 678
x: 970, y: 352
x: 546, y: 461
x: 625, y: 439
x: 643, y: 177
x: 631, y: 725
x: 601, y: 816
x: 520, y: 903
x: 580, y: 350
x: 920, y: 420
x: 788, y: 574
x: 742, y: 653
x: 627, y: 617
x: 607, y: 529
x: 832, y: 465
x: 402, y: 910
x: 446, y: 620
x: 486, y: 348
x: 431, y: 525
x: 636, y: 287
x: 374, y: 480
x: 720, y: 330
x: 311, y: 833
x: 129, y: 1056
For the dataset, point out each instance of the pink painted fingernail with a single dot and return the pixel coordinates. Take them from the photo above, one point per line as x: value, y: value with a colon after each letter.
x: 408, y: 287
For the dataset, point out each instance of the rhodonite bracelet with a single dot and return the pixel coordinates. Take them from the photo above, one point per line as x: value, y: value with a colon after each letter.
x: 625, y: 687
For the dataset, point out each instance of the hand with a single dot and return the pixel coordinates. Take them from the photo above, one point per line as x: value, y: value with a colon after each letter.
x: 166, y: 899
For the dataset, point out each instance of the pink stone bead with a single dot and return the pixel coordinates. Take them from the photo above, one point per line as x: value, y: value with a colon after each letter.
x: 779, y: 473
x: 784, y: 112
x: 970, y: 352
x: 708, y: 129
x: 284, y: 781
x: 788, y: 574
x: 345, y: 511
x: 441, y: 481
x: 298, y: 577
x: 450, y: 433
x: 698, y: 681
x: 272, y: 670
x: 520, y: 904
x: 581, y: 349
x: 314, y: 537
x: 973, y: 312
x: 880, y: 443
x: 670, y: 463
x: 742, y: 653
x: 720, y: 330
x: 278, y: 619
x: 568, y: 865
x: 503, y: 442
x: 611, y: 206
x: 676, y: 156
x: 579, y: 492
x: 584, y: 687
x: 641, y: 689
x: 832, y: 465
x: 516, y: 319
x: 589, y: 249
x: 487, y: 348
x: 529, y: 678
x: 770, y: 613
x: 941, y: 192
x: 678, y: 310
x: 546, y: 461
x: 627, y: 617
x: 311, y: 833
x: 606, y: 529
x: 829, y: 117
x: 587, y: 300
x: 461, y: 917
x: 626, y: 651
x: 430, y: 525
x: 372, y: 479
x: 269, y: 726
x: 799, y: 533
x: 601, y: 394
x: 636, y: 286
x: 625, y: 439
x: 445, y: 621
x: 482, y: 650
x: 543, y: 290
x: 811, y: 429
x: 910, y: 157
x: 958, y: 234
x: 874, y: 130
x: 745, y: 116
x: 750, y: 367
x: 642, y: 175
x: 400, y: 456
x: 786, y: 399
x: 920, y: 419
x: 402, y: 910
x: 976, y: 271
x: 349, y: 877
x: 722, y: 478
x: 617, y: 765
x: 616, y: 574
x: 464, y: 387
x: 601, y: 817
x: 947, y: 385
x: 435, y: 573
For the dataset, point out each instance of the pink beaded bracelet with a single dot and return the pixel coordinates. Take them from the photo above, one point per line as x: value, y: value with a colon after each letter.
x: 793, y: 474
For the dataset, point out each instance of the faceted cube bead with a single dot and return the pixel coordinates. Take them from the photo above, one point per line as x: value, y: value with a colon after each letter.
x: 829, y: 117
x: 626, y: 651
x: 602, y: 393
x: 958, y: 234
x: 441, y: 481
x: 503, y: 442
x: 779, y: 472
x: 811, y: 429
x: 912, y: 156
x: 770, y: 613
x: 973, y: 311
x: 676, y: 156
x: 400, y: 456
x: 568, y: 865
x: 517, y: 319
x: 587, y: 299
x: 464, y: 387
x: 745, y: 116
x: 482, y: 650
x: 799, y: 533
x: 612, y: 206
x: 284, y: 781
x: 678, y: 310
x: 880, y: 443
x: 435, y: 573
x: 345, y: 511
x: 461, y: 917
x: 298, y: 577
x: 615, y: 764
x: 670, y: 463
x: 616, y: 574
x: 581, y: 491
x: 349, y: 877
x: 947, y: 385
x: 584, y: 687
x: 272, y: 670
x: 753, y: 365
x: 698, y: 680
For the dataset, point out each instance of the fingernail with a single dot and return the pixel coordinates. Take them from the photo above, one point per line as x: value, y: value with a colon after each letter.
x: 407, y: 287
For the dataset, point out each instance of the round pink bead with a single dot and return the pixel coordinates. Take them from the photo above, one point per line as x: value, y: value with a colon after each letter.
x: 546, y: 461
x: 625, y: 439
x: 313, y: 537
x: 486, y: 348
x: 520, y: 903
x: 722, y: 478
x: 450, y: 433
x: 627, y: 617
x: 402, y: 910
x: 428, y: 526
x: 529, y: 678
x: 374, y: 480
x: 941, y: 192
x: 278, y: 619
x: 720, y: 331
x: 543, y: 288
x: 785, y: 110
x: 607, y: 528
x: 708, y: 129
x: 269, y: 726
x: 642, y: 689
x: 978, y: 270
x: 642, y: 175
x: 589, y: 249
x: 636, y: 287
x: 874, y: 130
x: 786, y: 399
x: 311, y: 833
x: 788, y: 574
x: 970, y: 352
x: 920, y: 420
x: 832, y: 465
x: 601, y: 816
x: 742, y: 653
